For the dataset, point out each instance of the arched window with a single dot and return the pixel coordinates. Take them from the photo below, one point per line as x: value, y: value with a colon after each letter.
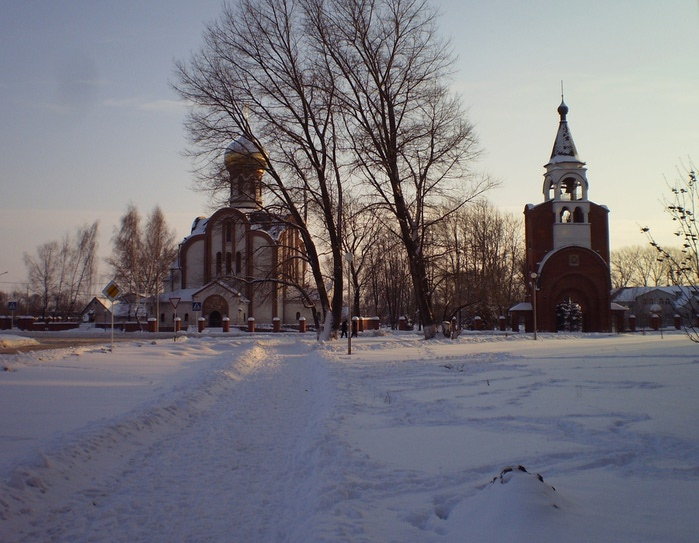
x: 238, y: 262
x: 218, y: 263
x: 578, y: 215
x: 229, y: 264
x: 565, y: 215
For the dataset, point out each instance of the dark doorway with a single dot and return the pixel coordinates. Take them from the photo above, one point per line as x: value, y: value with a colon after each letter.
x: 215, y: 319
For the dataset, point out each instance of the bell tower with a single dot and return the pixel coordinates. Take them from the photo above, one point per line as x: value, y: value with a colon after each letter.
x: 567, y: 242
x: 246, y: 165
x: 565, y: 183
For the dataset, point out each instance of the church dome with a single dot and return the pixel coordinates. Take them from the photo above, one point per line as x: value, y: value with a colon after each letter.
x: 242, y: 152
x: 563, y: 110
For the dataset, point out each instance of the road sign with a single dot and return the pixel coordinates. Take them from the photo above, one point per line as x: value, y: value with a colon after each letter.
x: 112, y: 291
x: 196, y: 306
x: 12, y: 306
x: 174, y: 302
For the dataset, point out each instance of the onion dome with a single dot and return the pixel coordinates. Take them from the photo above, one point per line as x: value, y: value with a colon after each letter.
x: 244, y: 153
x: 563, y: 147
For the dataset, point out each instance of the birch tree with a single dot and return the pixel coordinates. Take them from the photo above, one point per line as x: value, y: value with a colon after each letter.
x: 141, y: 255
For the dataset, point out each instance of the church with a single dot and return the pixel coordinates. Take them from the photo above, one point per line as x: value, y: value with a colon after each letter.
x: 240, y: 264
x: 567, y: 246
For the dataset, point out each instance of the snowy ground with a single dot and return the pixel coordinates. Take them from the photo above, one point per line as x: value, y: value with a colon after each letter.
x: 274, y: 438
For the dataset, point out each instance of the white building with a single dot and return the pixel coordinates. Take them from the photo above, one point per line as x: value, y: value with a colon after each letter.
x: 241, y: 262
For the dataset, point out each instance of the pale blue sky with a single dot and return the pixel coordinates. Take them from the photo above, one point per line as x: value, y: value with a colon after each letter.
x: 88, y: 122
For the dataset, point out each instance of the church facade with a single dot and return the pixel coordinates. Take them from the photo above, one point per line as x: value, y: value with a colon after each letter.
x: 567, y: 246
x: 242, y: 262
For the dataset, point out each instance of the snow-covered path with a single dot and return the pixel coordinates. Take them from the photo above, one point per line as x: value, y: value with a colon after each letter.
x: 223, y: 460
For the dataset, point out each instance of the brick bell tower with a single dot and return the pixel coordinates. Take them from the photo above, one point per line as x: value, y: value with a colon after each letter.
x: 567, y: 243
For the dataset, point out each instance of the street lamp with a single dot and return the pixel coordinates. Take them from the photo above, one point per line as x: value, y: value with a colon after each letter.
x: 348, y: 258
x: 534, y: 277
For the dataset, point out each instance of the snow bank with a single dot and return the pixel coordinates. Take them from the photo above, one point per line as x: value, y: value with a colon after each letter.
x: 9, y: 340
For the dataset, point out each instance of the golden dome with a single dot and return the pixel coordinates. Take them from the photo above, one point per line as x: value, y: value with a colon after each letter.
x: 243, y: 152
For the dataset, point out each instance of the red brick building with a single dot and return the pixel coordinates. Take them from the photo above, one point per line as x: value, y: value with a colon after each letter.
x: 567, y: 243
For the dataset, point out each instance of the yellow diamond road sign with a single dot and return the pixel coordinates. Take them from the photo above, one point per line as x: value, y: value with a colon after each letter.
x: 112, y: 291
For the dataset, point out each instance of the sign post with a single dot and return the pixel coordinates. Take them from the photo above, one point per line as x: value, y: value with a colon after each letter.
x: 196, y: 307
x: 12, y: 306
x: 349, y: 258
x: 112, y: 291
x: 174, y: 302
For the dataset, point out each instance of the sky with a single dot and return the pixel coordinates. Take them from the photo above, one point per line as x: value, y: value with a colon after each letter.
x: 90, y: 123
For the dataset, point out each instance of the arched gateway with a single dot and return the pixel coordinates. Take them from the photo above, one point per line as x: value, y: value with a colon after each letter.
x: 214, y: 308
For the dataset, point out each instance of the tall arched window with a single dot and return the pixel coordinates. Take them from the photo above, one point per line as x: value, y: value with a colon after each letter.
x: 229, y: 264
x: 238, y: 262
x: 218, y: 263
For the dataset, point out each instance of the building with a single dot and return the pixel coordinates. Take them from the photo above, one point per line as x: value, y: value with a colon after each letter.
x: 240, y: 263
x: 668, y: 303
x: 567, y: 246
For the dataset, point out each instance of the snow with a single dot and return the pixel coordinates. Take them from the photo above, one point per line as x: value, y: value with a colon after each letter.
x: 277, y: 438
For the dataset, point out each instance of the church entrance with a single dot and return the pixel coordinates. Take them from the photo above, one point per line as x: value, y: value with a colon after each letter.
x: 215, y: 319
x: 215, y: 307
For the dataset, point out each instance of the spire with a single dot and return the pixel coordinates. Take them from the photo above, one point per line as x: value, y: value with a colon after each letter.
x: 564, y: 148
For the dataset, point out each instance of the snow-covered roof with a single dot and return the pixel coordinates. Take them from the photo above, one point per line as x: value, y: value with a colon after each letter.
x: 563, y: 147
x: 198, y: 225
x: 184, y: 294
x: 682, y: 294
x: 523, y: 306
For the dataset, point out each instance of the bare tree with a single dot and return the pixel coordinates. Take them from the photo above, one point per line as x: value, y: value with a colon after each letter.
x: 79, y: 265
x: 624, y: 266
x: 61, y: 273
x: 408, y: 132
x: 142, y: 255
x: 388, y: 288
x: 478, y: 261
x: 683, y: 267
x: 41, y: 270
x: 333, y: 93
x: 159, y: 252
x: 259, y: 75
x: 127, y: 248
x: 642, y: 266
